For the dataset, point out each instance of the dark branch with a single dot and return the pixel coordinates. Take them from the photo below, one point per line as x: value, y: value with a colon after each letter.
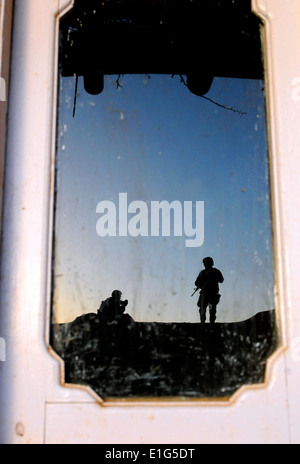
x: 213, y: 101
x: 223, y: 106
x: 75, y: 95
x: 118, y: 81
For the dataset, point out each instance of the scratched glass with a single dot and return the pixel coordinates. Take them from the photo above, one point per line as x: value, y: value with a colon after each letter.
x: 151, y: 178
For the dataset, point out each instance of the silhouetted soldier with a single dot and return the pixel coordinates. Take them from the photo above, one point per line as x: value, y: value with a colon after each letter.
x: 115, y: 328
x: 208, y: 281
x: 112, y: 308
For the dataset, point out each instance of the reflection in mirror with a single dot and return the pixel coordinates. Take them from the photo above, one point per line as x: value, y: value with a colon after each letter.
x: 162, y: 257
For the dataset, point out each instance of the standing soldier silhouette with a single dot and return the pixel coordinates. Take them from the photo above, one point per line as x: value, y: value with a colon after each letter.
x: 208, y: 281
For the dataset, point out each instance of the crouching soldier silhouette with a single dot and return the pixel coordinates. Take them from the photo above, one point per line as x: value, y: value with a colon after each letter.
x: 208, y: 281
x: 115, y: 328
x: 112, y: 309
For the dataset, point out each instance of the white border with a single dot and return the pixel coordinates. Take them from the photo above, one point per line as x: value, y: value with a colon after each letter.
x: 34, y: 407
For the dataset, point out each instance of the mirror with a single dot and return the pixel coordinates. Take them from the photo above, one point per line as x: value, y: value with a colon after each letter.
x: 155, y: 172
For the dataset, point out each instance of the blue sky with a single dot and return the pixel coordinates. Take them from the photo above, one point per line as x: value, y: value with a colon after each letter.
x: 154, y: 140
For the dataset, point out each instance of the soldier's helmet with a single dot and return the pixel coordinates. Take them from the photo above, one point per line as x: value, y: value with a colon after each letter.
x: 208, y: 261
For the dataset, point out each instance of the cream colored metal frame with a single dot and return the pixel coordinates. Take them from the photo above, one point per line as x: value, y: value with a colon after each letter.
x: 35, y: 406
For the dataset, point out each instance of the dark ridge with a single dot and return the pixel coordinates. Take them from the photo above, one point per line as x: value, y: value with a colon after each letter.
x: 138, y: 360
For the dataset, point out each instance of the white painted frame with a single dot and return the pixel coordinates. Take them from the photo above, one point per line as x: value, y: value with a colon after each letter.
x: 35, y: 406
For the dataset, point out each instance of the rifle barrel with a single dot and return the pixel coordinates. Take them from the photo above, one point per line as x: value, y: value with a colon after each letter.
x: 195, y: 291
